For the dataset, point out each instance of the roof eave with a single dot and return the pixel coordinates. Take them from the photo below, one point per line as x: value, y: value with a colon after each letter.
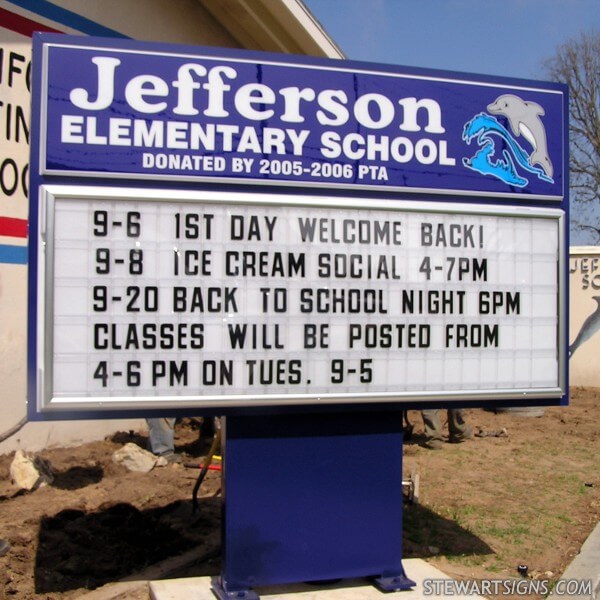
x: 274, y: 25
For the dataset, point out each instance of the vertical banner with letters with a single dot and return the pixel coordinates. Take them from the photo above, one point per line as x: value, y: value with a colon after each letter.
x: 221, y: 229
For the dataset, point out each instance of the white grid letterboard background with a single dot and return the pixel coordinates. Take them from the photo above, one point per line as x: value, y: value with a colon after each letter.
x: 179, y: 299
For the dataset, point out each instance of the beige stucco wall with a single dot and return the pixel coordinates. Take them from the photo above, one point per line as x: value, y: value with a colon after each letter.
x: 181, y: 21
x: 178, y: 21
x: 584, y: 316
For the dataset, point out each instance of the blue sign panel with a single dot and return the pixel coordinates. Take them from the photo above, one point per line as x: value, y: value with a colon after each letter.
x: 175, y: 266
x: 218, y: 115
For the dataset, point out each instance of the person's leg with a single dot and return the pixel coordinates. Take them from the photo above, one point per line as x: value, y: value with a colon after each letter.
x: 457, y: 426
x: 433, y: 428
x: 161, y: 436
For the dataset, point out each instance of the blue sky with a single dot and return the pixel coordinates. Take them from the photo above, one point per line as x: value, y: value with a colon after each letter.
x: 507, y: 38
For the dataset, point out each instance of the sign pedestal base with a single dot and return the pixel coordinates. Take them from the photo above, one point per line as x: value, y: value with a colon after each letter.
x: 312, y: 497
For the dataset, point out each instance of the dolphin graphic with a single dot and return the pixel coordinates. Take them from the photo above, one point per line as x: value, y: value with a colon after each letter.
x: 524, y: 119
x: 590, y: 326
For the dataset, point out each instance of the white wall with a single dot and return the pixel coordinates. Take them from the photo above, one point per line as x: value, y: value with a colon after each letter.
x: 15, y: 56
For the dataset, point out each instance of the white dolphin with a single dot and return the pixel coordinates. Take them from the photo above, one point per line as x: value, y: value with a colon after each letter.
x: 524, y: 119
x: 590, y: 326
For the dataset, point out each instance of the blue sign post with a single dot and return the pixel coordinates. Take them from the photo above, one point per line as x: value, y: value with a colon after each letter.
x: 312, y: 497
x: 306, y: 246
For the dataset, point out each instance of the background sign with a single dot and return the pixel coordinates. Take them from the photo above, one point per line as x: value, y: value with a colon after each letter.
x: 248, y: 299
x: 255, y: 118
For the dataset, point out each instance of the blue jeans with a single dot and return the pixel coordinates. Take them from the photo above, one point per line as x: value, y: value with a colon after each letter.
x: 161, y: 435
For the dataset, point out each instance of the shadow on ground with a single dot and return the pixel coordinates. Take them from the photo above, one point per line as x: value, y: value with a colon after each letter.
x: 86, y: 550
x: 77, y: 477
x: 428, y: 534
x: 81, y: 550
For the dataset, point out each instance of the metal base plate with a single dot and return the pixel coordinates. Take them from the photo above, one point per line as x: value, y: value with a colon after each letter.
x: 221, y: 592
x: 394, y: 584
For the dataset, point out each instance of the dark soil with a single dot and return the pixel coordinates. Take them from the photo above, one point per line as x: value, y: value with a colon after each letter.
x: 530, y: 495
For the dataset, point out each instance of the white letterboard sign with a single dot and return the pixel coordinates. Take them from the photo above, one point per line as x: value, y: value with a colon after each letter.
x: 161, y: 298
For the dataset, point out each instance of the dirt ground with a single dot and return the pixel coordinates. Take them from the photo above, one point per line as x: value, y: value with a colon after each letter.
x: 525, y: 491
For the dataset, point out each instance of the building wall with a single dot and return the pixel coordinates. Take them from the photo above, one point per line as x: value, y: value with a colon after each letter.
x: 15, y: 56
x: 180, y: 21
x: 584, y: 316
x: 272, y: 25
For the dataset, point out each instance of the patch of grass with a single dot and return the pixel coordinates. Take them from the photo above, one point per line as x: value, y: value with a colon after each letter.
x: 511, y: 533
x: 523, y: 496
x: 461, y: 514
x: 469, y: 560
x: 495, y: 567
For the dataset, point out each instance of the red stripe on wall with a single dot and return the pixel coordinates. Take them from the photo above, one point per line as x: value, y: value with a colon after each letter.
x: 13, y: 227
x: 19, y: 24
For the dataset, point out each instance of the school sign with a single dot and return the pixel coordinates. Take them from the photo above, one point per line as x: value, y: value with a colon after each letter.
x: 117, y: 112
x: 224, y: 228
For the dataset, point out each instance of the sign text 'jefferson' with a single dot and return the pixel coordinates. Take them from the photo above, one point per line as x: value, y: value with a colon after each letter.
x: 274, y: 119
